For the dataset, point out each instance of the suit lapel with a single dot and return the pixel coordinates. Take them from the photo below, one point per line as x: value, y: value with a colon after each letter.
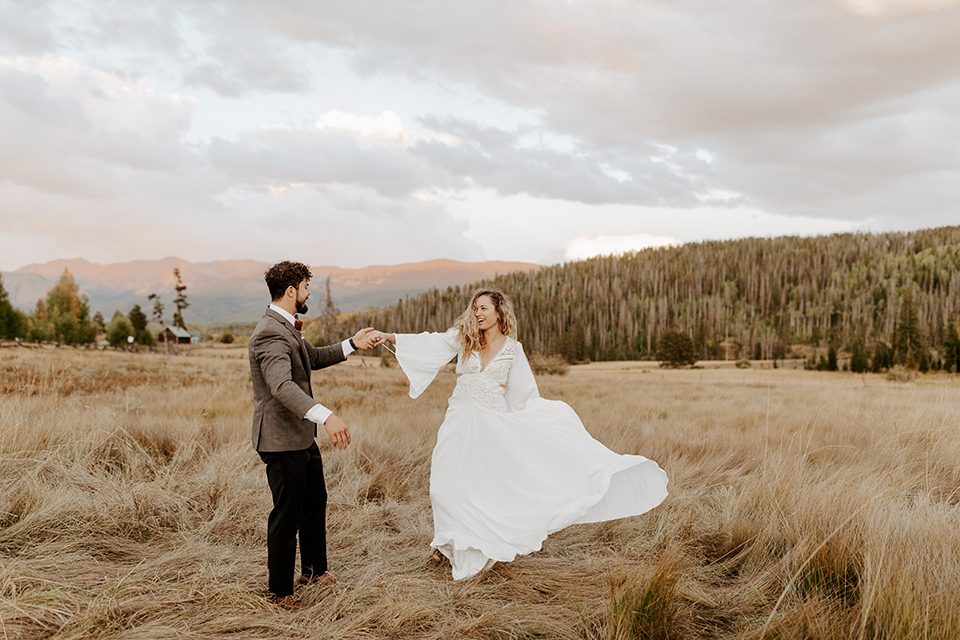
x: 295, y: 335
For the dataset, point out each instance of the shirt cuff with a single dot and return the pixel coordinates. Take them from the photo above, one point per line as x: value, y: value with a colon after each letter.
x: 347, y: 349
x: 318, y: 413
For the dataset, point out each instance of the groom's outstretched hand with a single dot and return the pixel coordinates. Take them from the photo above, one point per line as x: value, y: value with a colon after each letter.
x: 338, y: 432
x: 366, y: 338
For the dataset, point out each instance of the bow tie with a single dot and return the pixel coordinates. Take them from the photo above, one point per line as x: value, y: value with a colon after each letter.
x: 297, y: 324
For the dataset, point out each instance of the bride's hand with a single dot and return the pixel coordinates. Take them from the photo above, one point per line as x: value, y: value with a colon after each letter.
x: 366, y: 338
x: 382, y: 337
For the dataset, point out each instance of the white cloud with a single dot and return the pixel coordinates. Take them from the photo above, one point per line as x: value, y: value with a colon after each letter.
x: 387, y: 127
x: 581, y: 247
x: 893, y: 8
x: 719, y: 196
x: 73, y: 131
x: 705, y: 155
x: 617, y: 174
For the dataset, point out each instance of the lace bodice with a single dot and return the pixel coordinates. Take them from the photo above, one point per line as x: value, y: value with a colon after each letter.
x: 484, y: 385
x: 505, y: 384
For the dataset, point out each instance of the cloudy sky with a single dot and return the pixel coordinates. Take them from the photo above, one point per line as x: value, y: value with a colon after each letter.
x: 375, y: 132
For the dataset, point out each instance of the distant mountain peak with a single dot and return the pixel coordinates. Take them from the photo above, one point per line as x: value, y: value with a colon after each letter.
x: 233, y: 290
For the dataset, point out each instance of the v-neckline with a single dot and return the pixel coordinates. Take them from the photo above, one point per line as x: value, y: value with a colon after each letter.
x: 483, y: 367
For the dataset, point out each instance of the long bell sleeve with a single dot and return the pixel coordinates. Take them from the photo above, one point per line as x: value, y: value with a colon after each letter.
x: 422, y: 355
x: 521, y: 385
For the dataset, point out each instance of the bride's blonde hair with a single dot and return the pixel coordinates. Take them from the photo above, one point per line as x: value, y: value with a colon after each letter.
x: 471, y: 338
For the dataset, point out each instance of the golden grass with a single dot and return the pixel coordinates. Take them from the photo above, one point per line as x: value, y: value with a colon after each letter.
x: 803, y: 505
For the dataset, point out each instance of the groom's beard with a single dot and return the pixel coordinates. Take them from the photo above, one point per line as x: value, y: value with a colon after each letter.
x: 301, y: 306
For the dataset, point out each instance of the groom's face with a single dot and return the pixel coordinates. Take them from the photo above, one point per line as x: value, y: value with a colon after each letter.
x: 303, y: 292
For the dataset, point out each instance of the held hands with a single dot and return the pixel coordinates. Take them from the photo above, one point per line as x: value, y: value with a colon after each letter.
x: 369, y: 338
x: 365, y: 338
x: 380, y: 337
x: 337, y: 430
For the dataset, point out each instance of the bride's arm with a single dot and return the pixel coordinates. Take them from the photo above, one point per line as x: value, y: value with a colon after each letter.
x: 422, y: 355
x: 521, y: 385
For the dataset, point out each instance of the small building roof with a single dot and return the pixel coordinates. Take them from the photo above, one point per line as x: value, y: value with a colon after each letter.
x: 180, y: 333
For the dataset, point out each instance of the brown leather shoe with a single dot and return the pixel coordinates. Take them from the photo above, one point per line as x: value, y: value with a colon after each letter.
x: 325, y: 579
x: 290, y: 603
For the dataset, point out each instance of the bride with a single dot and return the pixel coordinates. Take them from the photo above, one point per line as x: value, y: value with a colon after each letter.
x: 510, y: 467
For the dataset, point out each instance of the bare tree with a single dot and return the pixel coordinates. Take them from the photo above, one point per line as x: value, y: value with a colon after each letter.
x: 158, y: 316
x: 330, y: 313
x: 180, y: 301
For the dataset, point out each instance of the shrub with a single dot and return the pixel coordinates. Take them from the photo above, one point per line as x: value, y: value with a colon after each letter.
x: 899, y: 373
x: 226, y: 338
x: 675, y: 349
x: 554, y: 365
x: 119, y: 330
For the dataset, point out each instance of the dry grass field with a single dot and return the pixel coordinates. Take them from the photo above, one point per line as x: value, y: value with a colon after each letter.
x: 803, y: 505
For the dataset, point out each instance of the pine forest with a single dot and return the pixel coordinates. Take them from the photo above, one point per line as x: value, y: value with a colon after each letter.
x: 879, y: 299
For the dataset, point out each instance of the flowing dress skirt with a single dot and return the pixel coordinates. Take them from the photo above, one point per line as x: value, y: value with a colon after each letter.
x: 501, y: 482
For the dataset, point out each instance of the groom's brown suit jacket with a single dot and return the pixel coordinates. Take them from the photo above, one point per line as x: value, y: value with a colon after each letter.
x: 280, y: 365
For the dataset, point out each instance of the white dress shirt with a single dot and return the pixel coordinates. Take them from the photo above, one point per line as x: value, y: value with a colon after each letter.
x: 317, y: 413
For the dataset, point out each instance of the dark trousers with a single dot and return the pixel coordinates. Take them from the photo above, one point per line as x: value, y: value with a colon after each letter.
x: 299, y: 506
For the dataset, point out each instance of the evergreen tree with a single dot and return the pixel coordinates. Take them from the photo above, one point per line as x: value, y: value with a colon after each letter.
x: 12, y: 321
x: 180, y: 302
x: 138, y: 319
x: 909, y: 344
x: 831, y: 359
x: 951, y: 350
x: 100, y: 322
x: 858, y: 358
x: 330, y: 313
x: 119, y: 329
x: 882, y: 357
x: 146, y: 339
x: 572, y: 345
x: 676, y: 349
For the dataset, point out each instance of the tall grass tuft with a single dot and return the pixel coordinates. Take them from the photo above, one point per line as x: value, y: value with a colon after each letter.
x: 646, y: 606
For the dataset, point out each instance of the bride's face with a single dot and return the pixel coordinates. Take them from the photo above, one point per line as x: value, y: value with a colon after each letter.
x: 486, y: 313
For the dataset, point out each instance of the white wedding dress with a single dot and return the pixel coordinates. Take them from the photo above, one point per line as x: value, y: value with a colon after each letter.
x: 510, y: 467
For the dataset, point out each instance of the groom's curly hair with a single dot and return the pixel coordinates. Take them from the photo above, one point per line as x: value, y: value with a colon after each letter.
x: 285, y: 274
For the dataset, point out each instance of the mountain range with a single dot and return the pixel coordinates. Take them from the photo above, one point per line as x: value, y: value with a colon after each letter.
x: 233, y: 291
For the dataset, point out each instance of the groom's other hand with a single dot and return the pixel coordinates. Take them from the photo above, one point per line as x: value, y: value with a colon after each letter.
x: 338, y: 432
x: 366, y: 338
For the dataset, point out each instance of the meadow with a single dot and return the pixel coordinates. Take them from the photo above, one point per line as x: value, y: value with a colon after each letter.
x: 803, y: 505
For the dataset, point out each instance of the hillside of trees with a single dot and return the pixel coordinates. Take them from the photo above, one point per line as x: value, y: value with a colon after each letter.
x: 63, y: 317
x: 882, y: 299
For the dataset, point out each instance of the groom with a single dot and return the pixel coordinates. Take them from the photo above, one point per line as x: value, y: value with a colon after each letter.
x: 285, y: 419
